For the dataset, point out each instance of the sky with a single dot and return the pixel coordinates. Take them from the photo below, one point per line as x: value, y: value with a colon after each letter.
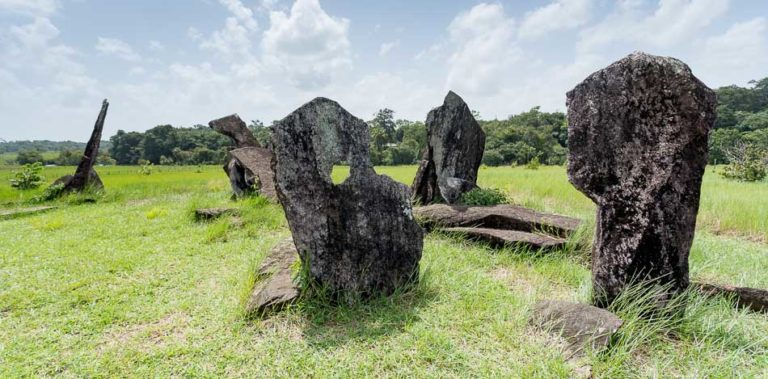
x: 186, y: 62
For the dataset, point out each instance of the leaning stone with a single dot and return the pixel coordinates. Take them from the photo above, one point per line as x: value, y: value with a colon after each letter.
x: 250, y: 170
x: 637, y: 137
x: 357, y: 238
x: 233, y: 127
x: 85, y: 176
x: 581, y: 325
x: 274, y: 286
x: 13, y: 213
x: 207, y: 214
x: 502, y: 238
x: 455, y: 145
x: 751, y: 298
x: 504, y: 216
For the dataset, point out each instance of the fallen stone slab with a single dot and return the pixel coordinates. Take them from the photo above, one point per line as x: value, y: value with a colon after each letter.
x: 581, y: 325
x: 207, y: 214
x: 274, y: 286
x: 751, y: 298
x: 13, y: 213
x: 501, y: 237
x: 504, y: 216
x: 233, y: 127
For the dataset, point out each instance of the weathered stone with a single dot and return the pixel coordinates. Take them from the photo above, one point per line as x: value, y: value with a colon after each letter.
x: 13, y: 213
x: 85, y: 176
x: 637, y: 138
x: 455, y: 145
x: 233, y: 127
x: 505, y: 216
x: 250, y: 170
x: 207, y: 214
x: 274, y: 286
x: 581, y: 325
x: 751, y: 298
x: 501, y: 238
x: 249, y: 166
x: 358, y: 237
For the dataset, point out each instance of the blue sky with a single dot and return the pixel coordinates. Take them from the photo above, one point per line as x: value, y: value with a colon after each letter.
x: 187, y: 62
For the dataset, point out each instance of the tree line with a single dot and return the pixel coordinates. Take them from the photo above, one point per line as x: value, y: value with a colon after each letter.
x: 741, y: 128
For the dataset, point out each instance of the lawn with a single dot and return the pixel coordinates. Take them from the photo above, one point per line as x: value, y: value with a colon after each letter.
x: 131, y: 286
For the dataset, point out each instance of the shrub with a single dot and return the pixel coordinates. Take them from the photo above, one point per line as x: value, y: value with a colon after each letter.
x: 481, y: 196
x: 146, y: 169
x: 534, y: 164
x: 748, y: 163
x: 29, y: 177
x: 50, y: 193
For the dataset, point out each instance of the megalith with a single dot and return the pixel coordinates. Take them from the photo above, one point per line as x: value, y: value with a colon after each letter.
x: 356, y: 238
x: 85, y: 176
x: 249, y: 166
x: 455, y: 145
x: 637, y: 136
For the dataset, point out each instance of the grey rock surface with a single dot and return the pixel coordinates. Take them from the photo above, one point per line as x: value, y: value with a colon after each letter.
x: 455, y: 145
x: 503, y: 216
x: 233, y: 127
x: 274, y: 287
x: 637, y: 137
x: 501, y: 238
x: 583, y: 326
x: 249, y: 166
x: 754, y: 299
x: 358, y: 237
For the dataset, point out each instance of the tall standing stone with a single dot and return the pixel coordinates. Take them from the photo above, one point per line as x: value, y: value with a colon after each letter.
x: 455, y: 145
x: 637, y: 139
x: 85, y: 176
x: 249, y: 166
x: 356, y: 237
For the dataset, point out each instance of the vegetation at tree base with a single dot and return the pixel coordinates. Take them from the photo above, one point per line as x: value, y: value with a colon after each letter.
x: 29, y: 177
x: 748, y: 163
x: 742, y: 122
x: 167, y: 145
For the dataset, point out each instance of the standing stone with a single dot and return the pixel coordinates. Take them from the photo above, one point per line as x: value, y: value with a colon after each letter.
x: 455, y: 145
x: 637, y: 139
x: 249, y: 166
x: 357, y: 237
x: 85, y: 176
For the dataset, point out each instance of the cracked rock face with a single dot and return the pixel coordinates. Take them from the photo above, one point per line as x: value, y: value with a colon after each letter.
x: 356, y: 237
x: 455, y: 145
x: 637, y: 139
x: 85, y: 176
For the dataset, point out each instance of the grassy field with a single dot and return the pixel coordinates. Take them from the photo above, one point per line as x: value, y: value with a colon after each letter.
x: 131, y: 287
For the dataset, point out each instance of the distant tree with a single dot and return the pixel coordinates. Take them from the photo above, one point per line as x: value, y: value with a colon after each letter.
x: 69, y: 157
x: 385, y: 120
x: 126, y: 147
x: 262, y: 133
x: 159, y: 141
x: 29, y: 156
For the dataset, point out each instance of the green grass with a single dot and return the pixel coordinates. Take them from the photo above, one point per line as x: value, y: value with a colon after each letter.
x: 132, y: 286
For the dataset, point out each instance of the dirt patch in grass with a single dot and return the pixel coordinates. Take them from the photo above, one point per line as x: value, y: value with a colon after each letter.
x: 159, y: 333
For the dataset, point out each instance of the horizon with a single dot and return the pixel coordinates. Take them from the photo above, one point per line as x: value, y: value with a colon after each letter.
x: 263, y: 59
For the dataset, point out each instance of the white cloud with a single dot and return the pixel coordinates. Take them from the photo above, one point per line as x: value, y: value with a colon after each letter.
x: 738, y: 55
x: 242, y: 13
x: 386, y: 47
x: 30, y: 7
x: 234, y: 41
x: 558, y: 15
x: 307, y: 44
x: 483, y: 49
x: 156, y: 45
x: 118, y: 48
x: 672, y: 23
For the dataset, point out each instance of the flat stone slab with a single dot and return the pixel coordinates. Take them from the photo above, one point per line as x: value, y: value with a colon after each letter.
x: 13, y: 213
x: 207, y: 214
x: 581, y: 325
x: 274, y: 286
x: 501, y: 238
x: 751, y: 298
x: 504, y: 216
